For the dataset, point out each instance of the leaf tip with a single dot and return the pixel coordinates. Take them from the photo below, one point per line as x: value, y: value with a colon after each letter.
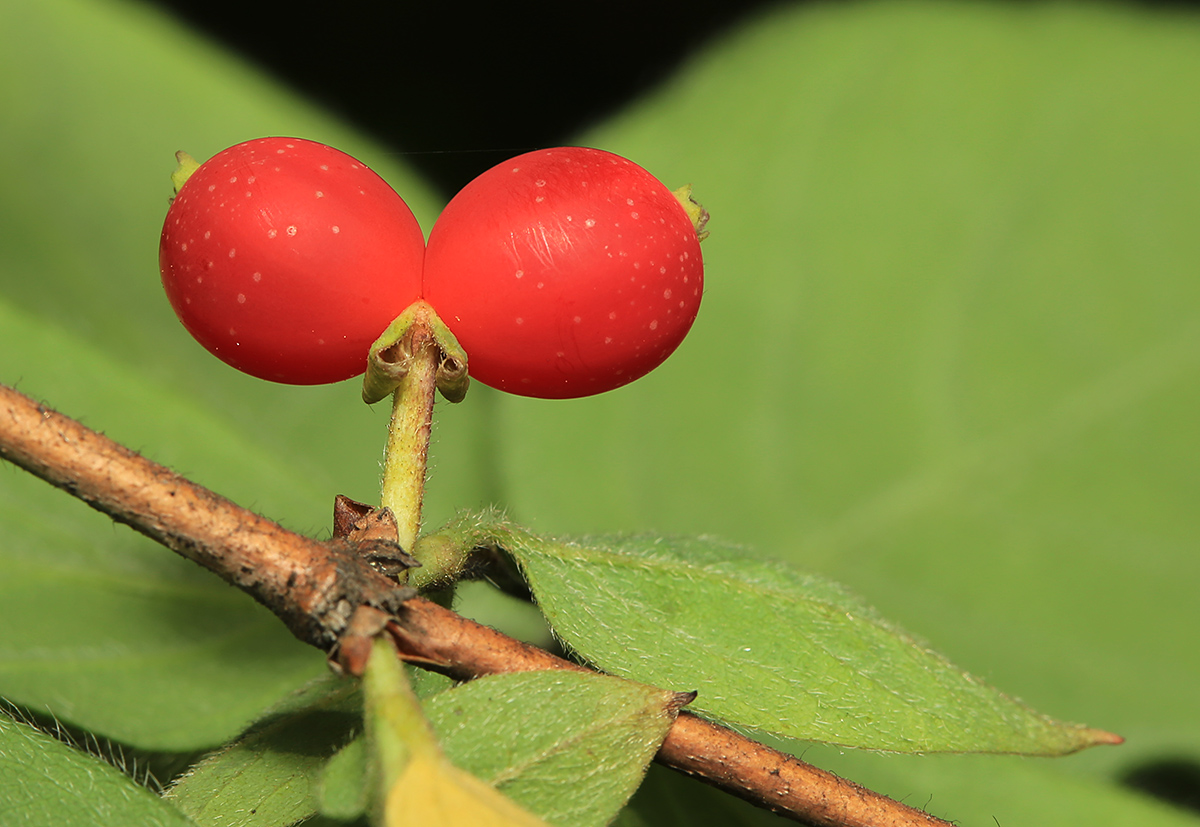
x: 1100, y: 737
x: 680, y: 699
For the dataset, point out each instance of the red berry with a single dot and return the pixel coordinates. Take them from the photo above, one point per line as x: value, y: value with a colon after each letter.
x: 287, y: 258
x: 564, y: 273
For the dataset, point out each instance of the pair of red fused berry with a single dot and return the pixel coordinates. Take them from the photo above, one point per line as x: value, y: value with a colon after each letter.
x: 563, y: 273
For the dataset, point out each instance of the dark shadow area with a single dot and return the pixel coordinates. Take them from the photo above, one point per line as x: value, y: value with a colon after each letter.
x: 460, y: 88
x: 316, y: 732
x: 154, y: 770
x: 1173, y: 780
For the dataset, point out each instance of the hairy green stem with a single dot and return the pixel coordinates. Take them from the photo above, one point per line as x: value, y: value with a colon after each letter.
x: 404, y: 464
x: 395, y: 721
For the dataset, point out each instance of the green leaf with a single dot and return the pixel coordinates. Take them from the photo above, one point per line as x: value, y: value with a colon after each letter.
x: 268, y: 777
x: 769, y: 648
x: 527, y: 734
x: 416, y: 782
x: 535, y: 735
x: 342, y: 792
x: 947, y: 356
x: 45, y: 783
x: 306, y: 754
x: 120, y: 635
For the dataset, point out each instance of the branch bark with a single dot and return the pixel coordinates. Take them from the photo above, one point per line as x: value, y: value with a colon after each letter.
x: 312, y: 586
x: 435, y: 637
x: 330, y: 594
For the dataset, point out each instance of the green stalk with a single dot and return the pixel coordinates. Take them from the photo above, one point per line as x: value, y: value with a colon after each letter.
x: 415, y: 357
x: 396, y: 724
x: 407, y: 453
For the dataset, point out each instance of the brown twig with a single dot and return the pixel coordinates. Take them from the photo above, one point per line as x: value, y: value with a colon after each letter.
x: 328, y: 593
x: 312, y: 586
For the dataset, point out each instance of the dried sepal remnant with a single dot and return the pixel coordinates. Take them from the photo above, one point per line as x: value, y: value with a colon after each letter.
x: 390, y: 357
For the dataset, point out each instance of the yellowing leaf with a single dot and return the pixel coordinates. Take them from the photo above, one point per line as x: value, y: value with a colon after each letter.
x: 432, y: 792
x: 418, y: 785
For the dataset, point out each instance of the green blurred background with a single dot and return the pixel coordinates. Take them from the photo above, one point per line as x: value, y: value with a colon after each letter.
x: 947, y: 355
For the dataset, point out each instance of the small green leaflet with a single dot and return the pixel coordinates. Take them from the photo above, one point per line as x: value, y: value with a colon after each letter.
x: 303, y: 755
x: 267, y: 777
x: 767, y: 647
x: 534, y: 734
x: 45, y: 782
x: 343, y: 791
x: 528, y: 734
